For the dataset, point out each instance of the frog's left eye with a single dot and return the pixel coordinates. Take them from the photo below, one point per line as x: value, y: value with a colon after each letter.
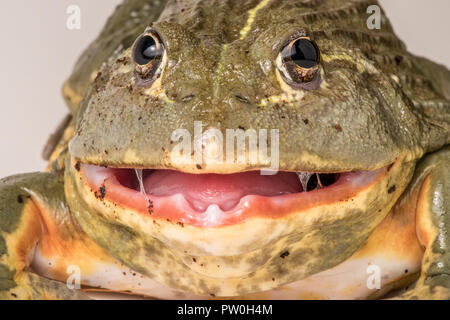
x: 148, y: 52
x: 300, y: 60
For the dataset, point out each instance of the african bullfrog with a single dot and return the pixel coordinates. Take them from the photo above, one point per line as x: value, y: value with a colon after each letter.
x: 355, y: 205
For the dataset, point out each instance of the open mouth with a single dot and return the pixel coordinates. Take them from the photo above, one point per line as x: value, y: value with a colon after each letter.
x: 214, y: 200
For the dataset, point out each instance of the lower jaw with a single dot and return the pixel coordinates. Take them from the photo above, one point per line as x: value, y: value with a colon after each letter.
x: 238, y: 258
x: 105, y: 184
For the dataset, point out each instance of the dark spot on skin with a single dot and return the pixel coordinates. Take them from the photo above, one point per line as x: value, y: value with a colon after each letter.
x: 124, y: 273
x: 398, y: 59
x: 390, y: 166
x: 19, y: 199
x: 241, y: 128
x: 338, y: 128
x: 181, y: 224
x: 14, y: 295
x: 306, y: 121
x: 195, y: 260
x: 140, y: 118
x: 273, y: 279
x: 122, y: 60
x: 199, y: 167
x: 212, y: 294
x: 98, y: 76
x: 150, y: 207
x: 102, y: 192
x: 284, y: 254
x: 77, y: 166
x: 406, y: 270
x: 391, y: 189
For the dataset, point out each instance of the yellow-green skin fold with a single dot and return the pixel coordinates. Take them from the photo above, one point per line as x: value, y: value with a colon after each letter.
x: 377, y: 105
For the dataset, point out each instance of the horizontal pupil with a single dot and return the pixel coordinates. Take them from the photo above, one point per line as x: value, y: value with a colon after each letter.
x: 304, y: 53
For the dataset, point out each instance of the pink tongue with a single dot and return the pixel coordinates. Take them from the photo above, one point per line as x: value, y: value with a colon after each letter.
x: 202, y: 190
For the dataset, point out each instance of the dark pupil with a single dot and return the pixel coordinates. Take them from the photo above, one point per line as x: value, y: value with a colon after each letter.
x: 304, y: 53
x: 146, y: 51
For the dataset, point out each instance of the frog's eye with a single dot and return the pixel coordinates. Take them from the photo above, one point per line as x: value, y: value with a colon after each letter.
x: 299, y: 60
x: 148, y: 52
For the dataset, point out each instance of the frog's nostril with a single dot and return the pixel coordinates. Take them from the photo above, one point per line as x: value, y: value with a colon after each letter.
x: 241, y: 99
x: 188, y: 97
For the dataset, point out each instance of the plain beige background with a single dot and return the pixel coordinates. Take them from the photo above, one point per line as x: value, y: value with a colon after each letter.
x: 38, y: 52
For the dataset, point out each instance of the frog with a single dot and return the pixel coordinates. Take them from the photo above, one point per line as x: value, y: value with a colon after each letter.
x: 358, y: 205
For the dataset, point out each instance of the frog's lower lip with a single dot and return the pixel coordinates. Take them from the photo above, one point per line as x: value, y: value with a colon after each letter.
x: 214, y: 200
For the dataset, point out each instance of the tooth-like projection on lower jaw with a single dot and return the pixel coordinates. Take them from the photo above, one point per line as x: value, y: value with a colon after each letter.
x: 213, y: 214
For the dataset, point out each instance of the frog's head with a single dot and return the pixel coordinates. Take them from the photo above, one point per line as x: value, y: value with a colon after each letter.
x: 348, y: 140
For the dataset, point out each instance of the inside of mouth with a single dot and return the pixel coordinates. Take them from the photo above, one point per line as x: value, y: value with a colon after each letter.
x: 223, y: 190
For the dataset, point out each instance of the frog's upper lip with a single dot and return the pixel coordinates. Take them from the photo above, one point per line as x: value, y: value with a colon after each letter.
x: 213, y: 200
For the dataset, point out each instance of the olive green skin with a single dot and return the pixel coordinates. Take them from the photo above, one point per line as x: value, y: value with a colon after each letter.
x: 203, y: 82
x: 376, y: 104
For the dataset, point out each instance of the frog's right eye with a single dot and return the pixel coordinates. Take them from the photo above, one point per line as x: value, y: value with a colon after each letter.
x: 148, y: 52
x: 299, y: 62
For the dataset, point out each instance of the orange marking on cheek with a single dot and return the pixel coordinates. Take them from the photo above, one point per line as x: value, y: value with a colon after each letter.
x: 62, y: 254
x: 64, y: 244
x: 396, y: 235
x: 27, y: 236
